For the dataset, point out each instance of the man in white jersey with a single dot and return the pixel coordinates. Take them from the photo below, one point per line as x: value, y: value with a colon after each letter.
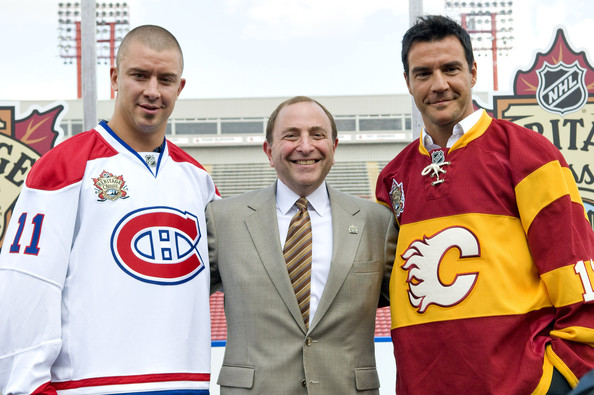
x: 103, y: 287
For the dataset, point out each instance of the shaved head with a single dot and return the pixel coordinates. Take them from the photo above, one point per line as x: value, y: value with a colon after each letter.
x: 154, y: 37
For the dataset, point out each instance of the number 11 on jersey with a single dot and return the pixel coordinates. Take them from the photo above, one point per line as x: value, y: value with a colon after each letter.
x: 580, y: 268
x: 33, y: 247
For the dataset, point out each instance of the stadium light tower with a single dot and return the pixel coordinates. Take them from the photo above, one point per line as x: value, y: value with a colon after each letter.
x: 489, y: 24
x: 112, y: 25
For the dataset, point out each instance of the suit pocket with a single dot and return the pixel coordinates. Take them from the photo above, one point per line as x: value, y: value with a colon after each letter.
x: 367, y: 267
x: 236, y: 376
x: 366, y: 379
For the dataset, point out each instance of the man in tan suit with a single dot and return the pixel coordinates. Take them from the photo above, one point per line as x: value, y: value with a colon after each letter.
x: 310, y: 332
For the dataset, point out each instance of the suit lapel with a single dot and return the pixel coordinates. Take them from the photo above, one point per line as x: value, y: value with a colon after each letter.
x: 347, y: 228
x: 263, y: 229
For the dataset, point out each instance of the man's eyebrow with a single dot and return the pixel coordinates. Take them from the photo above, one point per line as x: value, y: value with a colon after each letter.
x: 136, y: 70
x: 290, y: 129
x: 318, y: 129
x: 453, y: 63
x: 420, y: 68
x: 141, y: 70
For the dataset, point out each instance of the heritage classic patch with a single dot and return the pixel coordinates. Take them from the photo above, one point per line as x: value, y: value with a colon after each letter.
x: 110, y: 187
x: 397, y: 198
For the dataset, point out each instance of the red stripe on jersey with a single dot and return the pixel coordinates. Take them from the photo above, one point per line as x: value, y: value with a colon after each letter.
x: 45, y: 389
x: 179, y: 155
x: 136, y: 379
x: 488, y: 355
x: 65, y: 164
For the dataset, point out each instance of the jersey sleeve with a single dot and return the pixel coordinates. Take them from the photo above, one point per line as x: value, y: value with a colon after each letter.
x: 33, y: 266
x: 561, y: 242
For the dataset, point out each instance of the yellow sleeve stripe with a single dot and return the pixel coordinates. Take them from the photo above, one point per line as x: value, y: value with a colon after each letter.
x: 579, y: 334
x: 541, y: 188
x: 573, y: 189
x: 572, y: 291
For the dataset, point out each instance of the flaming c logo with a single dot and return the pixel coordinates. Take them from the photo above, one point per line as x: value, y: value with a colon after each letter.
x: 423, y: 259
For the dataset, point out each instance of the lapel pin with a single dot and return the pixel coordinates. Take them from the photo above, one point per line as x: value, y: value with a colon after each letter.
x: 353, y: 230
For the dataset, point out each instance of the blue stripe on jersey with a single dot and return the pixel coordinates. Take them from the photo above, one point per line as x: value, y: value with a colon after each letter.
x: 171, y: 392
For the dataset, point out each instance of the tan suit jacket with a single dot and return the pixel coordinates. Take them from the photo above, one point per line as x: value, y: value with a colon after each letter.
x: 269, y: 350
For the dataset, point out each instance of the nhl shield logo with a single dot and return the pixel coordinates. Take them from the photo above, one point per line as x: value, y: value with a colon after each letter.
x: 437, y: 157
x: 561, y: 88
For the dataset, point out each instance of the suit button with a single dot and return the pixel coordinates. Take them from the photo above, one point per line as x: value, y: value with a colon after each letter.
x: 304, y: 383
x: 308, y: 341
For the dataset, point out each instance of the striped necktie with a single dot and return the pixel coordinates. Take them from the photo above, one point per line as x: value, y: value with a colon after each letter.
x: 297, y: 253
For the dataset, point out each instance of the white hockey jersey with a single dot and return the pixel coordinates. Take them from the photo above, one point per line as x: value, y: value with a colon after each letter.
x: 104, y: 279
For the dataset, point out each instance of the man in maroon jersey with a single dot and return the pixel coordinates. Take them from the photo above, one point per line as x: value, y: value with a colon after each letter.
x: 491, y: 289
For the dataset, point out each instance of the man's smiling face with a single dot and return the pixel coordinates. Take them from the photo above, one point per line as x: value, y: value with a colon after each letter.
x: 302, y: 148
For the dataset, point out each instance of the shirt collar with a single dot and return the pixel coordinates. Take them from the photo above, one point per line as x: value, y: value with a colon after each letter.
x: 286, y: 198
x: 459, y: 129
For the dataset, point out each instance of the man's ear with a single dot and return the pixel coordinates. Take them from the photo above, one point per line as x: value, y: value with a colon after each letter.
x: 113, y: 78
x: 407, y: 82
x: 268, y: 151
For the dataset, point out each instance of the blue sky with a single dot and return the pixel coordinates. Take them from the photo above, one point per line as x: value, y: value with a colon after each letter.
x: 260, y: 48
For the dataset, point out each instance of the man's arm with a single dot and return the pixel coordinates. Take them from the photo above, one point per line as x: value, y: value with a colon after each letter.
x: 561, y: 242
x: 33, y: 267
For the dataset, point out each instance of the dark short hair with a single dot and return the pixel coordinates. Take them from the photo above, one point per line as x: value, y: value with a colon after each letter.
x: 434, y: 28
x: 294, y: 100
x: 153, y: 36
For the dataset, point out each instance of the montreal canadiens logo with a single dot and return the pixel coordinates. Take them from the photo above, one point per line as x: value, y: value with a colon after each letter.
x: 158, y: 245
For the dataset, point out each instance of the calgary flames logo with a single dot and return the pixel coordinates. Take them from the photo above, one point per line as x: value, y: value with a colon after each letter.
x: 22, y: 142
x: 423, y: 259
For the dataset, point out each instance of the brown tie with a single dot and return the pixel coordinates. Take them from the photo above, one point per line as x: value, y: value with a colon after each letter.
x: 297, y: 254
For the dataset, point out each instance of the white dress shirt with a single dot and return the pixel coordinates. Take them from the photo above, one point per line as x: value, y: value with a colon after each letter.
x: 462, y: 127
x: 321, y: 226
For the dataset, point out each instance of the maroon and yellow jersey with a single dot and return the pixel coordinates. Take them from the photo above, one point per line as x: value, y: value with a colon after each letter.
x: 492, y: 284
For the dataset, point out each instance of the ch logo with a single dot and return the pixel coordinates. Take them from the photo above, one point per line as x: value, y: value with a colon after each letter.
x: 158, y: 245
x: 423, y: 259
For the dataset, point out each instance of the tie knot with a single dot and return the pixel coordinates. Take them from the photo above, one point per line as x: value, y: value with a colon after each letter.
x: 301, y: 203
